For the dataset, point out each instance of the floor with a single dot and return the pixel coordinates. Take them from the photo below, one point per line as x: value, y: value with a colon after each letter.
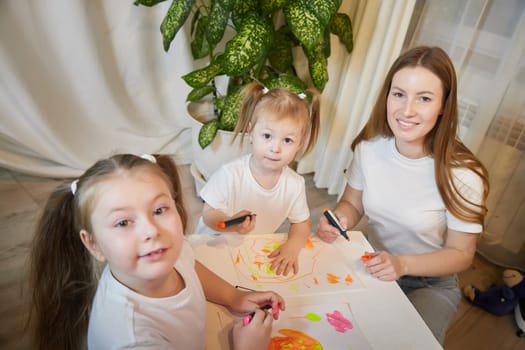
x: 22, y: 198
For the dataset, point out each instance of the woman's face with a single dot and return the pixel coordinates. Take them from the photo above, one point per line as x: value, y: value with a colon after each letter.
x: 414, y: 105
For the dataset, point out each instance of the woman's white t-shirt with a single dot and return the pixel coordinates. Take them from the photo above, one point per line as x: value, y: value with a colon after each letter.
x: 406, y: 214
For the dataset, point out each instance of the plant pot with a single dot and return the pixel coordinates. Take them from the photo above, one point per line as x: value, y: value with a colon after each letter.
x: 220, y: 151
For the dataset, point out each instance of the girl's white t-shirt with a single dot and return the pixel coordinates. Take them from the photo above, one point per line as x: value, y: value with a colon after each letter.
x: 123, y: 319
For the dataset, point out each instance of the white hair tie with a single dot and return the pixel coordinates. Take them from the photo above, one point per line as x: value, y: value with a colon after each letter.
x: 265, y: 90
x: 149, y: 157
x: 73, y: 186
x: 302, y: 95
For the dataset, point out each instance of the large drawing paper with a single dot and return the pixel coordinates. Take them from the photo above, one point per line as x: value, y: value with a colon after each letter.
x: 322, y: 267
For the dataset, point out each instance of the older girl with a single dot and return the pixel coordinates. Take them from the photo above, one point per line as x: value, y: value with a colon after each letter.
x: 127, y: 212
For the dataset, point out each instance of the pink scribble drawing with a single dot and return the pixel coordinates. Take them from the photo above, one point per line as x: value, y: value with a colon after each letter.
x: 339, y: 322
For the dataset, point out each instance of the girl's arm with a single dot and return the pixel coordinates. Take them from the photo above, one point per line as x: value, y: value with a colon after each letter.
x: 454, y: 257
x: 286, y: 256
x: 221, y: 292
x: 349, y: 211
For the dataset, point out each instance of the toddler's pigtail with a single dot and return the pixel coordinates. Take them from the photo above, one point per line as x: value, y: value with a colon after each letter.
x: 315, y: 119
x: 253, y: 93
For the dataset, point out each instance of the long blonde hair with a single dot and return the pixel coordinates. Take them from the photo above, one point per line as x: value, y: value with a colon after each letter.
x: 62, y: 277
x: 442, y: 142
x: 284, y: 104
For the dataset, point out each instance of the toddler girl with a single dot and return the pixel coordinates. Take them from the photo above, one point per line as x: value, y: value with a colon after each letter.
x: 280, y: 124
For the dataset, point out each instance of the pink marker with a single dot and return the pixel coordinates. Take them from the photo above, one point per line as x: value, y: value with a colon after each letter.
x: 246, y: 320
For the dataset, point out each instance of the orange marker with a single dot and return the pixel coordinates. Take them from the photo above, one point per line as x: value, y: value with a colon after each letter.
x: 366, y: 257
x: 224, y: 224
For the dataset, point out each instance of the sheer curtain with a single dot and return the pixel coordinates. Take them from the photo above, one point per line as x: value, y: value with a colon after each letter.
x: 379, y: 30
x: 486, y: 41
x: 82, y: 79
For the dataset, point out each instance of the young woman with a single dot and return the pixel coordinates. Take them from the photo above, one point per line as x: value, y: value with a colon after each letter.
x: 422, y: 191
x: 127, y: 212
x: 279, y: 124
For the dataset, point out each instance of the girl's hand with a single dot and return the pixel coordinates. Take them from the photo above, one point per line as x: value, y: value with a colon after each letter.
x: 384, y: 266
x: 285, y: 259
x: 327, y: 232
x: 246, y: 302
x: 255, y: 335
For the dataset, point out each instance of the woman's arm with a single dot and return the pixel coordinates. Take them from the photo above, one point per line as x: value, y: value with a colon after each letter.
x: 349, y: 211
x: 456, y: 256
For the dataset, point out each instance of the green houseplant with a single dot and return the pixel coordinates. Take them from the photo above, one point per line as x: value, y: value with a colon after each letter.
x: 262, y: 48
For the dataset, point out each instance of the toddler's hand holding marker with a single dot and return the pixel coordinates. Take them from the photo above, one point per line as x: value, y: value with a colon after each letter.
x: 234, y: 221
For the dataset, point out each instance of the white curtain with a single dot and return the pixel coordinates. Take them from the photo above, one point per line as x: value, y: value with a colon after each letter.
x: 82, y: 79
x: 486, y: 41
x: 379, y: 31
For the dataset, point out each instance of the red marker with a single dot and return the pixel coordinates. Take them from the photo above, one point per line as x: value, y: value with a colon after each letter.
x: 234, y: 221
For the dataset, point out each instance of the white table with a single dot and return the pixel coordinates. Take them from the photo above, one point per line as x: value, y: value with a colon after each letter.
x: 384, y: 314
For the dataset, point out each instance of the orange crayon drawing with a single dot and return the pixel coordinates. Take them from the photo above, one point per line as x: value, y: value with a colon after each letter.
x: 293, y: 340
x: 309, y: 244
x: 331, y: 278
x: 317, y: 272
